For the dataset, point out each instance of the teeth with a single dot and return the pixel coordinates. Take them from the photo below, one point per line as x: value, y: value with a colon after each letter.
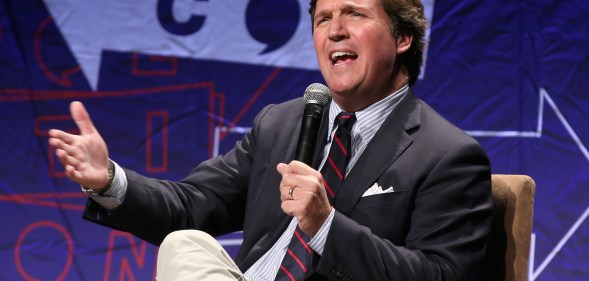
x: 336, y: 55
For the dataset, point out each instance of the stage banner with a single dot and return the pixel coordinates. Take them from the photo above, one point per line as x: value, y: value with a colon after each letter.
x: 171, y: 83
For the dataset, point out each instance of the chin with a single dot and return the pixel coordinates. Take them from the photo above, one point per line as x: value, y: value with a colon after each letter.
x: 341, y: 88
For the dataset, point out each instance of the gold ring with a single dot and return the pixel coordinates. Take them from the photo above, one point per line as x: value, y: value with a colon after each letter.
x: 290, y: 193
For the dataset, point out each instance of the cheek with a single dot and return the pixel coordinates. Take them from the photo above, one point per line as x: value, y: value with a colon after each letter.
x: 319, y: 45
x: 319, y: 40
x: 384, y: 55
x: 316, y: 42
x: 381, y: 45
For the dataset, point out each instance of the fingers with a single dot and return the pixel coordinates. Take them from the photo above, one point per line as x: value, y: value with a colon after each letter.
x: 61, y: 136
x: 289, y: 183
x: 66, y: 146
x: 66, y: 150
x: 300, y: 168
x: 67, y: 159
x: 64, y: 143
x: 298, y: 175
x: 297, y: 168
x: 299, y: 182
x: 82, y: 118
x: 73, y: 173
x: 289, y: 194
x: 303, y: 195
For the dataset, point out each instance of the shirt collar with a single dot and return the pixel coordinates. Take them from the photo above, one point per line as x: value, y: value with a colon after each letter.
x: 381, y: 108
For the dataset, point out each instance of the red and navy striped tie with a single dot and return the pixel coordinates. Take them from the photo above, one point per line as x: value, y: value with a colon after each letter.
x: 334, y: 169
x: 298, y: 255
x: 297, y: 258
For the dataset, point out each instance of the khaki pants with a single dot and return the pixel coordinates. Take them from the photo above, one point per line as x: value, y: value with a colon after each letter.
x: 194, y: 255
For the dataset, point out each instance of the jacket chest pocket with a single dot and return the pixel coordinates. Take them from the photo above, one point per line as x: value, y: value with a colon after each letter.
x: 385, y: 214
x: 381, y: 200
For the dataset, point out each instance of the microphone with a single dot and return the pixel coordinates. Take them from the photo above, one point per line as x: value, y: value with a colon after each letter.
x: 316, y: 97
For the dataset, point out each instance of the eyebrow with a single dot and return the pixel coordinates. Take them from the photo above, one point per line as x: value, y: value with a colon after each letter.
x: 346, y: 7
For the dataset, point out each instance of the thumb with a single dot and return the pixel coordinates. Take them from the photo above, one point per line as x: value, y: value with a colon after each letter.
x: 81, y: 117
x: 283, y: 169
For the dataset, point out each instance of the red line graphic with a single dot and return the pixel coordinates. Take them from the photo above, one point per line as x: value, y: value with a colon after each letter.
x: 46, y: 200
x: 53, y: 172
x: 64, y: 79
x: 137, y: 71
x: 149, y: 166
x: 23, y: 235
x: 247, y: 106
x: 139, y: 254
x: 13, y: 95
x: 39, y: 120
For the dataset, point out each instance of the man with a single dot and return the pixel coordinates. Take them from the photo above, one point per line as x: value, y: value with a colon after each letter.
x: 415, y: 203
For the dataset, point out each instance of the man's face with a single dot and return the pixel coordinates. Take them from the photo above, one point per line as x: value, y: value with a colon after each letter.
x: 355, y: 49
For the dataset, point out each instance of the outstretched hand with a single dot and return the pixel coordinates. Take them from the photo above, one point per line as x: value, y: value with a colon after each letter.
x: 84, y: 156
x: 307, y: 201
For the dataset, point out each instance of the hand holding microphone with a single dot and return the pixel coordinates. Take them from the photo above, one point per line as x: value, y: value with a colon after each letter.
x: 302, y: 193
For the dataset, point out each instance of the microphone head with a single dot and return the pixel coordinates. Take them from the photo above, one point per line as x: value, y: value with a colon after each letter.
x: 317, y: 93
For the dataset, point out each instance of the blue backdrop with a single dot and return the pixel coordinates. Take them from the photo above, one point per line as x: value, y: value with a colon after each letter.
x: 172, y: 83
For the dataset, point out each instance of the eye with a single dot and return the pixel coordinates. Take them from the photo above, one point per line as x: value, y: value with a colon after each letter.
x: 356, y: 14
x: 321, y: 20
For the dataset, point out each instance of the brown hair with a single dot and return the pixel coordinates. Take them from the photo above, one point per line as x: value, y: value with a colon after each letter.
x: 406, y: 17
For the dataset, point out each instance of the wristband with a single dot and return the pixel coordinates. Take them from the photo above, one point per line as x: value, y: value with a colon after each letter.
x: 99, y: 191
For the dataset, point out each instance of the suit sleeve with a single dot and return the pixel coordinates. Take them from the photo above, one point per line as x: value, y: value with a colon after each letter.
x: 449, y: 225
x: 211, y: 198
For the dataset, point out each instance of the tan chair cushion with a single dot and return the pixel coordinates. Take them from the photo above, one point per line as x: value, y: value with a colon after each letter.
x: 508, y: 250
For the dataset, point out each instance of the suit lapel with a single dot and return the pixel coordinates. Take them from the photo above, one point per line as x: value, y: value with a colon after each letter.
x: 390, y: 141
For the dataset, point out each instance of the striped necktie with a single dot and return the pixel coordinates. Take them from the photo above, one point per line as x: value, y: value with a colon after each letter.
x: 334, y: 169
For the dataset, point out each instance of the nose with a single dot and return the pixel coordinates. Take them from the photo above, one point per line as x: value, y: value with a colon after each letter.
x: 337, y: 29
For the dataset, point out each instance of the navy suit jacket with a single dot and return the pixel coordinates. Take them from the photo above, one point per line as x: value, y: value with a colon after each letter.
x: 433, y: 227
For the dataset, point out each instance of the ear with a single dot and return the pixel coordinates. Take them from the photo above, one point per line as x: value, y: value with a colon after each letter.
x: 403, y: 43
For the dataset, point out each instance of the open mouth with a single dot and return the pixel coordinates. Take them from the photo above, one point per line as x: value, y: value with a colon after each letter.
x: 342, y: 57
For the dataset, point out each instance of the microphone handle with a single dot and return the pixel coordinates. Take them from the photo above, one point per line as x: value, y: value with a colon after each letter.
x: 308, y: 134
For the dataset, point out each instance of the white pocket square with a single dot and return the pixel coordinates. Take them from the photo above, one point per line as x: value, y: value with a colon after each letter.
x: 375, y: 190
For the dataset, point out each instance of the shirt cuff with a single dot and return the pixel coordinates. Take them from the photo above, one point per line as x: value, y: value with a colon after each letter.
x: 317, y: 243
x: 114, y: 196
